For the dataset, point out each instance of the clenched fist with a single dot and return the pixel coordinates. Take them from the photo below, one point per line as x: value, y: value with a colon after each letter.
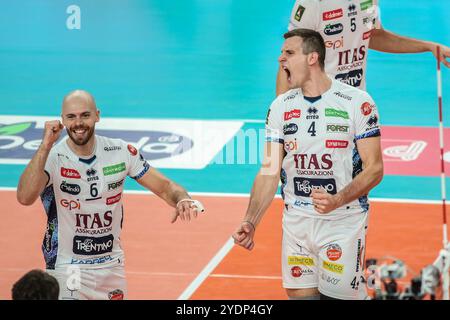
x: 52, y: 131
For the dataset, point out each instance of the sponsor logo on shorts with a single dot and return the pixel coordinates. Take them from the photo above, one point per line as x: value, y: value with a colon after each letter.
x: 132, y: 150
x: 303, y: 186
x: 92, y: 246
x: 330, y: 112
x: 113, y: 199
x: 296, y: 271
x: 336, y: 144
x: 333, y: 29
x: 366, y: 108
x: 334, y: 252
x: 302, y: 261
x: 292, y: 114
x: 331, y: 15
x: 290, y: 128
x: 92, y: 261
x: 299, y: 13
x: 329, y: 279
x: 115, y: 185
x: 110, y: 170
x: 70, y: 173
x: 116, y: 295
x: 337, y: 128
x: 333, y: 267
x: 69, y: 188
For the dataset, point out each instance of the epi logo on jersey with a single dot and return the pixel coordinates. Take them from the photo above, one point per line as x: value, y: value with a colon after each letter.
x: 114, y: 169
x: 70, y: 173
x: 290, y: 146
x: 331, y: 15
x: 170, y: 143
x: 335, y: 44
x: 70, y: 204
x: 292, y: 114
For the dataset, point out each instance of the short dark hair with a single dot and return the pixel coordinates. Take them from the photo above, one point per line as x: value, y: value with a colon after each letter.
x: 36, y: 285
x: 312, y: 42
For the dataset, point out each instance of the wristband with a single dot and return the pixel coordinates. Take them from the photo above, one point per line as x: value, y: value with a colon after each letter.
x: 250, y: 223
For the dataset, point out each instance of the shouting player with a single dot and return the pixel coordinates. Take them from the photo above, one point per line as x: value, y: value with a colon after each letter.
x: 80, y: 181
x: 323, y: 139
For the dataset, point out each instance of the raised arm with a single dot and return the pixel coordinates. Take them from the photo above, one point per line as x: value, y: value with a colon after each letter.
x: 386, y: 41
x: 33, y: 180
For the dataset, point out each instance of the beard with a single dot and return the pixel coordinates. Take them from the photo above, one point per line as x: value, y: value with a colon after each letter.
x: 83, y: 139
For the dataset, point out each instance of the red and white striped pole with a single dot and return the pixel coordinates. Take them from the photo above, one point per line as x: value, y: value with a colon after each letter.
x: 441, y: 143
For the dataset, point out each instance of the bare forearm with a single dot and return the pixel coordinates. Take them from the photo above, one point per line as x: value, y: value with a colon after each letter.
x: 386, y: 41
x: 361, y: 185
x: 263, y: 191
x: 174, y: 193
x: 33, y: 179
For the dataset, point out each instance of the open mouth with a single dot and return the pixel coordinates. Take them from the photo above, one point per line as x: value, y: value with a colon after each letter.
x: 288, y: 73
x: 79, y: 132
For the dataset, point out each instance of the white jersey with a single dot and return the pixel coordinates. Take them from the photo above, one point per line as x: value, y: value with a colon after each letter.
x: 83, y: 202
x: 345, y: 26
x: 319, y: 139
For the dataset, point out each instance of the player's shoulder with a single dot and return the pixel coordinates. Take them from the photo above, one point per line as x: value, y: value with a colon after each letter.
x: 288, y: 96
x: 345, y: 92
x: 107, y: 144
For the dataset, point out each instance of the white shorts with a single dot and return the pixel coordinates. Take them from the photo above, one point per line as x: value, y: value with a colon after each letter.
x: 325, y: 254
x: 90, y: 284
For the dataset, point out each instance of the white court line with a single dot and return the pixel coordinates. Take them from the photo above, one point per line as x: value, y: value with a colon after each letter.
x: 187, y: 293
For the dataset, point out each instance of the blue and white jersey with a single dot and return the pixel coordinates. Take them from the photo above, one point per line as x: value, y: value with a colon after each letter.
x: 319, y: 137
x: 83, y: 202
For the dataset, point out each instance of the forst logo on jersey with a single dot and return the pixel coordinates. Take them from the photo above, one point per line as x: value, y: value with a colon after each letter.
x: 21, y: 140
x: 115, y: 185
x: 331, y: 15
x: 296, y: 113
x: 89, y: 246
x: 303, y: 186
x: 333, y: 29
x: 334, y: 252
x: 70, y: 173
x: 290, y: 128
x: 337, y: 128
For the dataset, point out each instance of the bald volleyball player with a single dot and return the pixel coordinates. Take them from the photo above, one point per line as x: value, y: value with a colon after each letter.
x: 80, y: 181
